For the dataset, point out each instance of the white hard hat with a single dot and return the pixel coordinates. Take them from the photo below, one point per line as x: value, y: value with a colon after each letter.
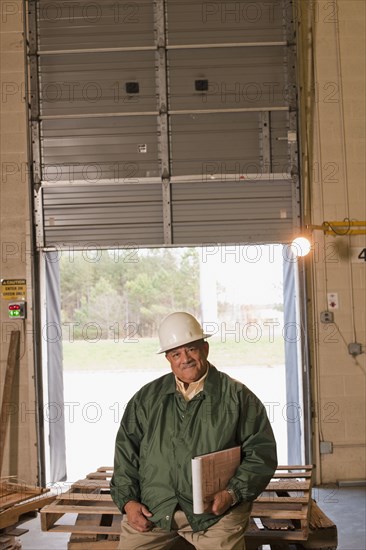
x: 179, y: 328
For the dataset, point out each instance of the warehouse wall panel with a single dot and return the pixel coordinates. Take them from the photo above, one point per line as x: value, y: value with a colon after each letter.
x: 21, y: 448
x: 334, y: 190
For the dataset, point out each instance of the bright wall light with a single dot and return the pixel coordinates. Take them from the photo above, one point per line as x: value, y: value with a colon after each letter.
x: 301, y: 246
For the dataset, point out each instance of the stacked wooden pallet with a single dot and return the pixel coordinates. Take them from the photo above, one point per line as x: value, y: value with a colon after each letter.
x: 18, y: 502
x: 9, y: 542
x: 97, y: 524
x: 284, y: 514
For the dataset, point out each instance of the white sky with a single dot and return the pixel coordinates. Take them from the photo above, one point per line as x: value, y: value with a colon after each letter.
x: 250, y: 274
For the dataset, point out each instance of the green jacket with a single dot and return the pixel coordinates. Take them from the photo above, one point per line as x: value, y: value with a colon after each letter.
x: 160, y: 432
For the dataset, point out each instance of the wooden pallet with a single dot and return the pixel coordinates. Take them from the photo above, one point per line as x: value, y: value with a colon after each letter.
x: 9, y: 542
x: 98, y: 522
x: 11, y: 493
x: 280, y: 516
x: 322, y: 535
x: 322, y: 531
x: 282, y: 511
x: 18, y: 501
x: 104, y: 472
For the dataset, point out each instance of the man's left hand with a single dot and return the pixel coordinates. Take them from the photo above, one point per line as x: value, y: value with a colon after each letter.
x: 221, y: 502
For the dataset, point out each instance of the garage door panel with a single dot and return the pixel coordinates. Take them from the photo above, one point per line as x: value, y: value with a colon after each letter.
x: 201, y: 143
x: 92, y: 143
x: 109, y: 236
x: 219, y: 190
x: 80, y: 214
x: 219, y: 22
x: 75, y: 25
x: 134, y: 125
x: 92, y: 84
x: 76, y: 194
x: 261, y: 205
x: 250, y: 78
x: 276, y: 209
x: 106, y: 148
x: 189, y: 98
x: 240, y: 232
x: 87, y: 152
x: 93, y: 173
x: 65, y: 63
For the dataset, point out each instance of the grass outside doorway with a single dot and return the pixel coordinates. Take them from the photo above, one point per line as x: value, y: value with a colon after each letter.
x: 81, y: 355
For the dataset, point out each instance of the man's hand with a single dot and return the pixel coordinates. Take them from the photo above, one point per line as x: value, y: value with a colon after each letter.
x: 221, y: 502
x: 137, y: 515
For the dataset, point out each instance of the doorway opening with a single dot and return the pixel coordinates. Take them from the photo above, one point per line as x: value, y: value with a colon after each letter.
x: 112, y: 302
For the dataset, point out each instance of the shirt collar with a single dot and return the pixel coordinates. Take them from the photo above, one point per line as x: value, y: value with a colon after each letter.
x: 211, y: 387
x: 193, y: 388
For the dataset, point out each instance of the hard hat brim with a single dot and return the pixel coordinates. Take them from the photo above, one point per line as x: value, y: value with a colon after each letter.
x: 183, y: 343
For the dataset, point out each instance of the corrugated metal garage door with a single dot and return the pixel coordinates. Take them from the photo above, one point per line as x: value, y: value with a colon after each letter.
x: 165, y: 122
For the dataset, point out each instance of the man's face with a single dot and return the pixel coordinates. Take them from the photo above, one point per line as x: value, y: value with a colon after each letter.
x: 189, y: 362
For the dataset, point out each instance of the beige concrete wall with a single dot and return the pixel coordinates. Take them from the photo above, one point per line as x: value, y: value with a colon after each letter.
x: 338, y: 191
x: 20, y: 458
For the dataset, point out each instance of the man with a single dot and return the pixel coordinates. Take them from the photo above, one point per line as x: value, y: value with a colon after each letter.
x: 193, y: 410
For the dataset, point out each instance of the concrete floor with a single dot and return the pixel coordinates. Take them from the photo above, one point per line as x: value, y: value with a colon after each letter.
x: 345, y: 506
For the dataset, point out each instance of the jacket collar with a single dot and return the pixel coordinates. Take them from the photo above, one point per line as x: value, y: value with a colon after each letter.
x: 211, y: 387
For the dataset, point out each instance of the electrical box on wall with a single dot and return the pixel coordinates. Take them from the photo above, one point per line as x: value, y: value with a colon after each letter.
x: 327, y: 317
x: 17, y: 310
x: 333, y: 301
x: 355, y: 348
x: 326, y: 447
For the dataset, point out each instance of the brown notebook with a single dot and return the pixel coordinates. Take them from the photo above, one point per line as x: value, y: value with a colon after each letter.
x: 211, y: 473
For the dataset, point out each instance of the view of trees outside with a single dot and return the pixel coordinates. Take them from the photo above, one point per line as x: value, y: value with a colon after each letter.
x: 130, y: 290
x: 114, y: 301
